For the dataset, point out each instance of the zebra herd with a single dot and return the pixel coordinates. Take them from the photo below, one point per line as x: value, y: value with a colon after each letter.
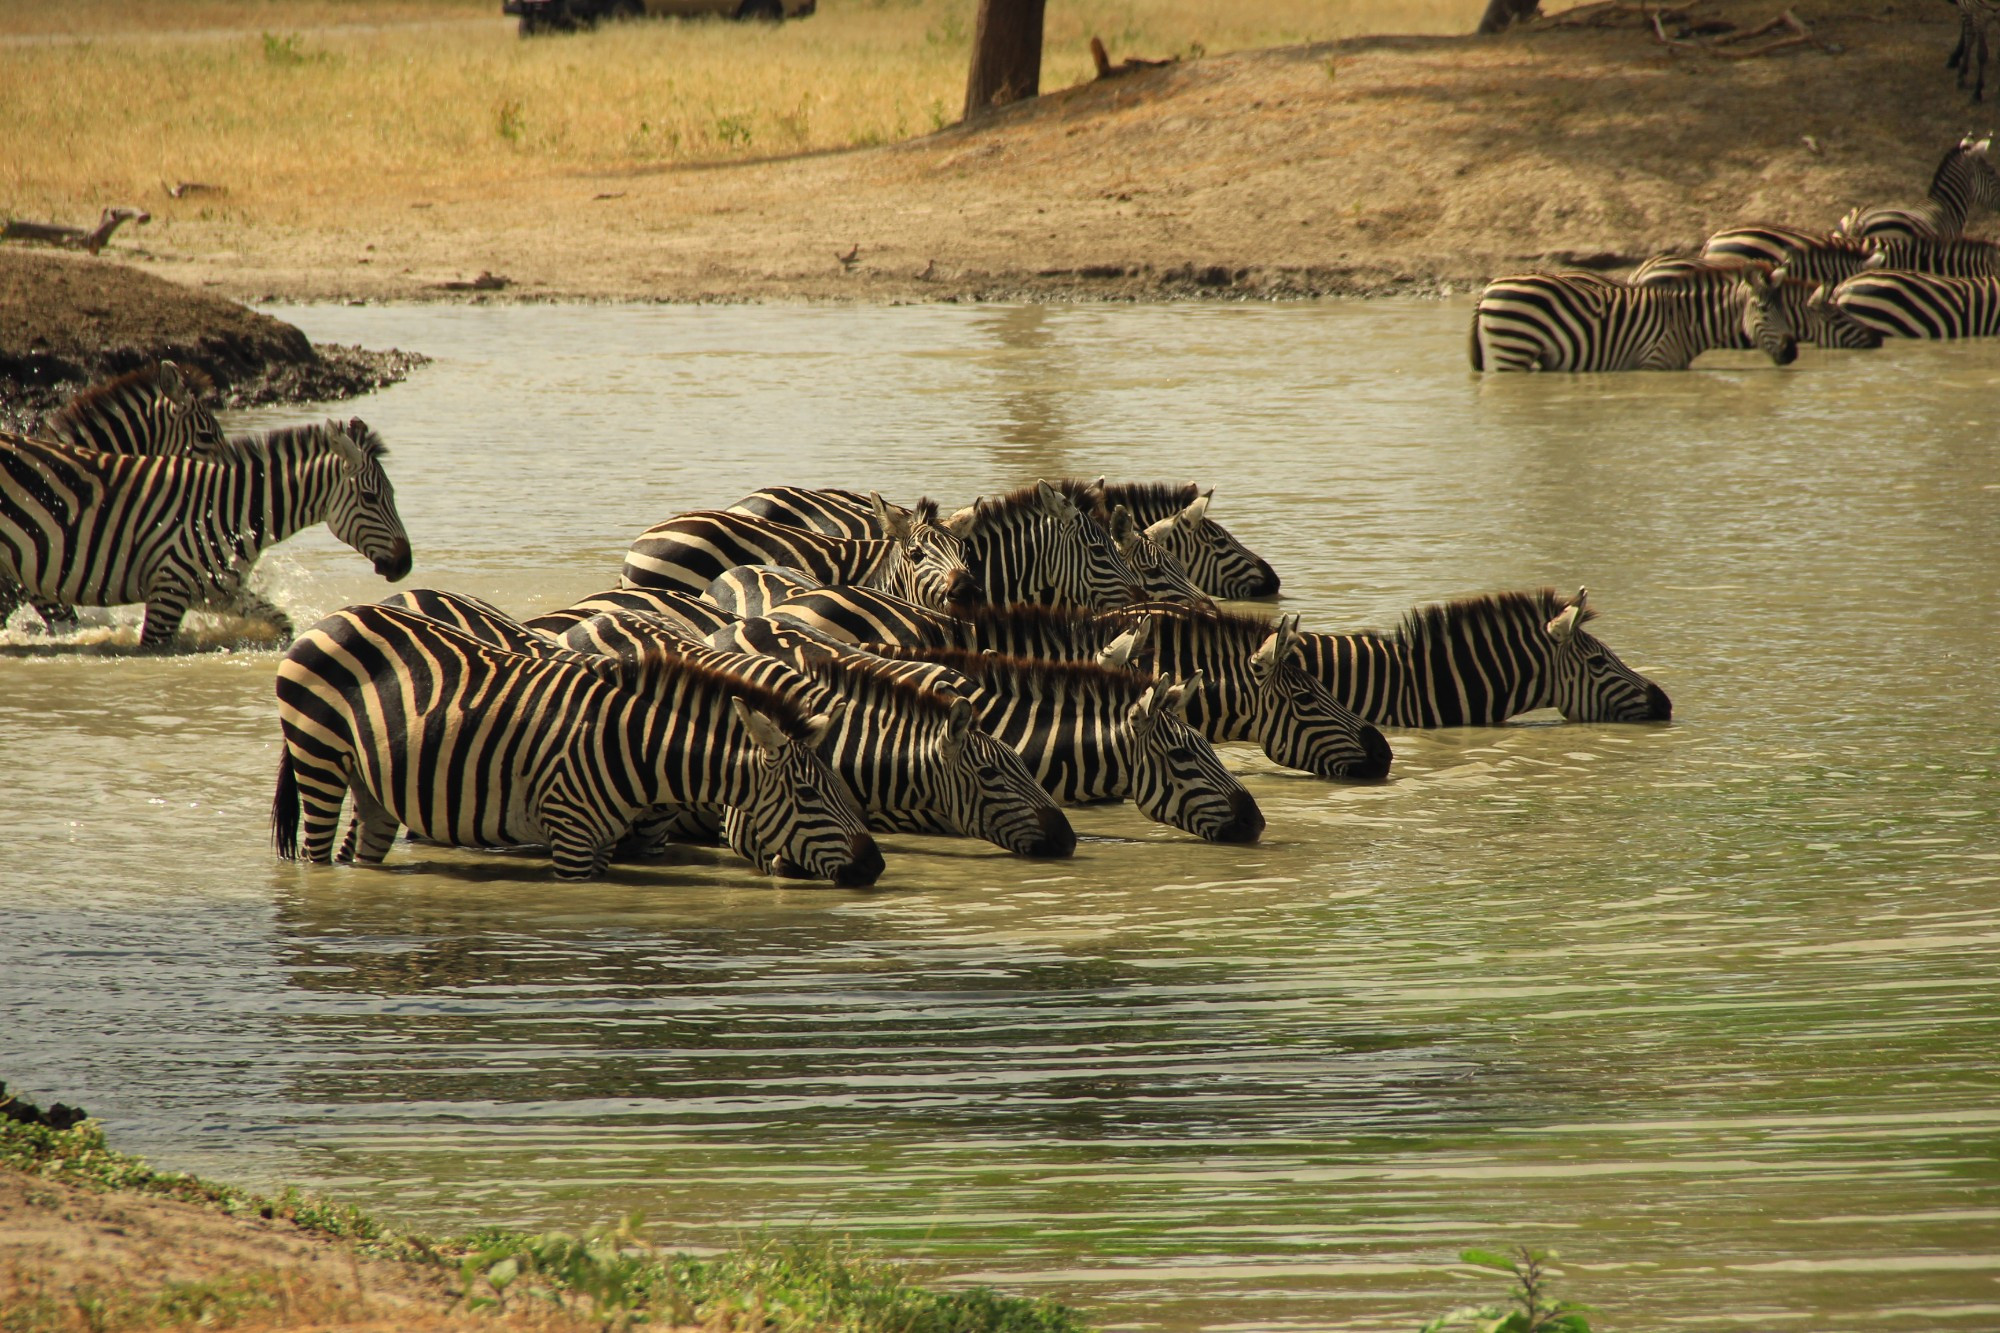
x: 1882, y: 272
x: 790, y: 676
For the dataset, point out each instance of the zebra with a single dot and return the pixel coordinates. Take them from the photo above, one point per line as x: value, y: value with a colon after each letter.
x: 93, y: 529
x: 1957, y: 257
x: 1481, y: 660
x: 1035, y: 545
x: 1583, y: 322
x: 751, y: 590
x: 1975, y: 19
x: 1176, y: 518
x: 1253, y: 689
x: 156, y: 409
x: 697, y: 614
x: 914, y: 757
x: 1091, y: 733
x: 687, y: 553
x: 1964, y: 178
x: 1805, y: 308
x: 1904, y: 304
x: 1159, y: 573
x: 468, y: 744
x: 831, y: 512
x: 1806, y: 256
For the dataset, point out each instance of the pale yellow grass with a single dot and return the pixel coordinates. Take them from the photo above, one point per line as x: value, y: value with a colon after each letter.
x: 295, y: 106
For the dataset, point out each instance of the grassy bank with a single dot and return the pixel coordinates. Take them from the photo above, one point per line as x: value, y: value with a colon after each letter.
x: 301, y: 108
x: 608, y: 1278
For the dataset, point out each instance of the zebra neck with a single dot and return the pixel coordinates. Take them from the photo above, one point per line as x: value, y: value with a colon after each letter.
x: 1478, y: 672
x: 279, y: 491
x: 1077, y: 737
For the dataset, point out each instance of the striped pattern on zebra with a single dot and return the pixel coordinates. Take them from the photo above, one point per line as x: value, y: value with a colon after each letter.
x: 1965, y: 179
x: 1956, y: 257
x: 752, y: 590
x: 1035, y: 545
x: 1160, y: 574
x: 1091, y: 733
x: 156, y: 409
x: 700, y: 616
x: 1921, y: 305
x: 687, y: 552
x: 483, y: 620
x: 1481, y: 660
x: 1253, y: 688
x: 94, y: 529
x: 914, y: 757
x: 1806, y: 256
x: 829, y: 511
x: 468, y: 744
x: 1176, y: 518
x: 1583, y: 322
x: 1805, y: 307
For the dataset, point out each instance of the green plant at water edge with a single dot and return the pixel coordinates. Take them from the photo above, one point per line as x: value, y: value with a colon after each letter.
x: 1528, y: 1308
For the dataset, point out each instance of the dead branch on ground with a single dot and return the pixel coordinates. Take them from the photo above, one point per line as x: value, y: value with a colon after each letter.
x: 1724, y: 46
x: 1107, y: 70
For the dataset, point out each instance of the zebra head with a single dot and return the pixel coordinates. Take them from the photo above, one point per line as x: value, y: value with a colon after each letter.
x: 1219, y: 564
x: 1177, y: 778
x: 985, y: 791
x: 1764, y: 321
x: 1037, y: 546
x: 1160, y: 572
x: 362, y: 511
x: 1587, y: 681
x: 799, y: 821
x: 1299, y: 722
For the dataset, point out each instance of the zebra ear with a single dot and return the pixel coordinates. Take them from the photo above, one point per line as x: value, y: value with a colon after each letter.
x: 1124, y: 530
x: 820, y: 723
x: 1160, y: 531
x: 1118, y: 654
x: 891, y: 523
x: 1876, y: 259
x: 1149, y: 702
x: 174, y: 385
x: 1563, y: 626
x: 1275, y: 648
x: 344, y: 445
x: 1197, y: 509
x: 764, y: 733
x: 1182, y: 694
x: 961, y: 719
x: 1053, y: 501
x: 960, y: 523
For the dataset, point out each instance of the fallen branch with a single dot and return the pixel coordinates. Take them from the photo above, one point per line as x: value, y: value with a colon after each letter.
x: 1801, y: 35
x: 1107, y: 70
x: 73, y: 238
x: 1595, y: 15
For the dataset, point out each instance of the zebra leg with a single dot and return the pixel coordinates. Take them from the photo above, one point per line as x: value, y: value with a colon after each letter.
x: 164, y: 614
x: 251, y: 606
x: 373, y: 832
x: 52, y: 613
x: 577, y: 854
x: 319, y: 811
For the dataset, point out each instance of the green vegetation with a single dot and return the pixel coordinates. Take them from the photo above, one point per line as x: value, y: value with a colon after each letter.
x: 609, y: 1275
x: 1528, y: 1307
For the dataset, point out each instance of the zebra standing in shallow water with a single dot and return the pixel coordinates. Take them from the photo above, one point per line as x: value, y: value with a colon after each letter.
x: 689, y: 551
x: 468, y: 744
x: 1806, y: 256
x: 1582, y: 322
x: 92, y: 529
x: 1956, y: 257
x: 1964, y: 179
x: 1805, y: 308
x: 153, y: 410
x: 1035, y: 545
x: 1921, y: 305
x: 1176, y: 517
x: 1480, y: 661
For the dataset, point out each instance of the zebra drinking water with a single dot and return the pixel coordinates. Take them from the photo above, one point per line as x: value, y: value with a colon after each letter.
x: 1903, y: 304
x: 94, y: 529
x: 1176, y: 518
x: 1479, y: 661
x: 1804, y: 305
x: 1583, y: 322
x: 469, y: 744
x: 1036, y: 545
x: 687, y: 552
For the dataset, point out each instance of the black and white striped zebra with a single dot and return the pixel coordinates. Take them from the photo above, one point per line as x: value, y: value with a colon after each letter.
x: 1035, y: 545
x: 1583, y: 322
x: 1159, y: 572
x: 834, y: 512
x: 156, y: 409
x: 752, y: 590
x: 95, y: 529
x: 1479, y: 661
x: 697, y: 613
x: 1252, y: 685
x: 915, y: 758
x: 1965, y: 179
x: 1806, y: 311
x: 1903, y: 304
x: 468, y: 744
x: 1806, y: 256
x: 1092, y: 733
x: 1176, y: 517
x: 688, y: 551
x: 1955, y: 257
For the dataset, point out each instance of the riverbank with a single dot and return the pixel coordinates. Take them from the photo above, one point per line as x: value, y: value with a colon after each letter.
x: 1363, y: 166
x: 93, y: 1239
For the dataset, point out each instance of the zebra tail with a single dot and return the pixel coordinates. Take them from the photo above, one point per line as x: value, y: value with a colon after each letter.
x: 1478, y: 360
x: 285, y: 809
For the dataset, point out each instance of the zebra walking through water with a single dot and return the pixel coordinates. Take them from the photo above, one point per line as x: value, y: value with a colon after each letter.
x: 469, y: 744
x: 1479, y: 661
x: 1583, y: 322
x: 156, y: 409
x: 1804, y: 305
x: 93, y: 529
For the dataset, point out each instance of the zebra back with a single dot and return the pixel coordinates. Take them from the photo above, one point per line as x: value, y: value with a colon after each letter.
x: 701, y: 617
x: 1035, y: 545
x: 1481, y: 660
x: 156, y: 409
x: 687, y: 552
x: 829, y: 511
x: 1176, y: 517
x: 1807, y: 256
x: 1956, y: 257
x: 1904, y: 304
x: 752, y: 590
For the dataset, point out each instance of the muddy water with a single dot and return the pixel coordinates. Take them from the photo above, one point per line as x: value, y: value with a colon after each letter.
x: 1710, y: 1008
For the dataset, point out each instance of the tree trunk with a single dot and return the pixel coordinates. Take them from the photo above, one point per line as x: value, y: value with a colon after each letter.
x: 1006, y: 54
x: 1505, y: 13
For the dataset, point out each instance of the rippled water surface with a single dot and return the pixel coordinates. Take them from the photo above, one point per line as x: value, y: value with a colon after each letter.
x: 1709, y: 1007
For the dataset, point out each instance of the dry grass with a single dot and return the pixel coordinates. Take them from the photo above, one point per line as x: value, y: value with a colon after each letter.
x: 297, y: 105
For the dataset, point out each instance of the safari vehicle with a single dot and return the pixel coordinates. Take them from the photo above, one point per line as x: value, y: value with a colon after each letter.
x: 570, y: 15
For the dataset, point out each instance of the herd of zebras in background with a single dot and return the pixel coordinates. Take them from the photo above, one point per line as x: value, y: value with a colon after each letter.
x: 1883, y: 272
x: 790, y: 675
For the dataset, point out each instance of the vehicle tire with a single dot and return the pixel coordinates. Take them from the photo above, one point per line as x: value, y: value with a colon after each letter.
x: 764, y: 11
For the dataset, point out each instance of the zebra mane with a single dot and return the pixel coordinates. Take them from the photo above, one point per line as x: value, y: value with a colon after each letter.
x: 657, y: 665
x: 1088, y: 497
x: 314, y: 436
x: 147, y: 377
x: 1145, y: 496
x: 1443, y: 621
x: 1952, y: 155
x: 1122, y: 684
x: 1022, y: 501
x: 866, y: 681
x: 926, y: 512
x: 1231, y: 626
x: 1073, y: 622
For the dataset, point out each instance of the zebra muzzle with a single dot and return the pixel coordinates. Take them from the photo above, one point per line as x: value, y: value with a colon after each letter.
x: 396, y: 565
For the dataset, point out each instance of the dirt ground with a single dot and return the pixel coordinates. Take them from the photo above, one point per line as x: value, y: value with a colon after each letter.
x: 74, y: 1258
x: 1364, y: 166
